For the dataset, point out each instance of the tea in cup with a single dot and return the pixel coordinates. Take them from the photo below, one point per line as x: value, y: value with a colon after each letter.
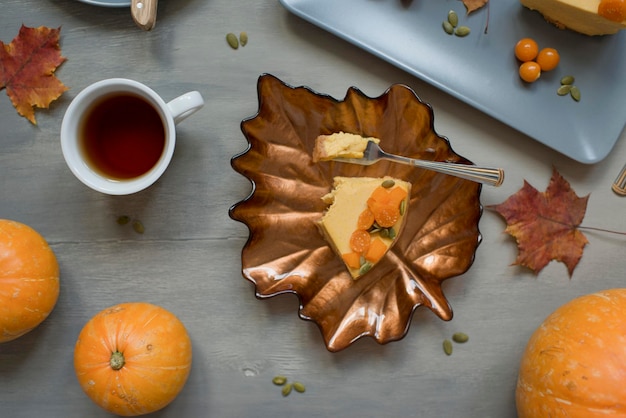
x: 118, y: 136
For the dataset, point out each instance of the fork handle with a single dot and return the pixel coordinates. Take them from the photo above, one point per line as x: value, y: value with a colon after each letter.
x: 490, y: 176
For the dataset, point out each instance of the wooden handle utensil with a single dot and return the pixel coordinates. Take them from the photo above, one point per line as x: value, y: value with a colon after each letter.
x: 144, y: 13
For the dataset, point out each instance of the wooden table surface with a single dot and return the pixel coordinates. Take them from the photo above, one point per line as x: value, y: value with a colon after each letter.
x: 188, y: 259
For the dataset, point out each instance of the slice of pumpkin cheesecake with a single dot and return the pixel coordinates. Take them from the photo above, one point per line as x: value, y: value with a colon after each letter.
x: 364, y: 218
x: 589, y: 17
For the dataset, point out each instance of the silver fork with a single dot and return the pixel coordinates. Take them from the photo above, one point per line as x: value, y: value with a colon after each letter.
x: 373, y: 153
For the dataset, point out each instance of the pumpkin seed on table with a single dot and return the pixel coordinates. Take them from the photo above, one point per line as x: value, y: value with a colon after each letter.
x: 287, y: 389
x: 564, y: 89
x: 232, y: 40
x: 299, y: 387
x: 453, y: 18
x: 279, y: 380
x: 123, y: 220
x: 460, y: 337
x: 447, y: 347
x: 447, y: 27
x: 243, y: 38
x: 138, y: 227
x: 568, y: 87
x: 462, y: 31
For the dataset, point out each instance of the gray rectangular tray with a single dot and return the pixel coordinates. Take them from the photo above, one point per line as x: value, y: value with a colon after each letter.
x: 481, y: 69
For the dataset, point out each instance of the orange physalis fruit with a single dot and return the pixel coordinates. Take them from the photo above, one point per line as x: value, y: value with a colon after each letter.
x: 529, y: 71
x: 366, y: 220
x: 614, y: 10
x: 360, y: 241
x: 548, y: 59
x: 385, y: 205
x: 526, y: 49
x: 386, y: 215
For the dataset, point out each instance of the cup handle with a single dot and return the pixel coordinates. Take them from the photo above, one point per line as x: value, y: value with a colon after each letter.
x: 185, y: 105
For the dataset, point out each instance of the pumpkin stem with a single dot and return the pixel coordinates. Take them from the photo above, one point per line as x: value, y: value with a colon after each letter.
x: 117, y: 360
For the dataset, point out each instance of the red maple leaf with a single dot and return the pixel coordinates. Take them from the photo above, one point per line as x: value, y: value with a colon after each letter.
x: 27, y: 68
x: 545, y: 225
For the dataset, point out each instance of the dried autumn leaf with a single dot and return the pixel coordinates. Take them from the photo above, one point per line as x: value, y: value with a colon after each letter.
x: 545, y: 225
x: 27, y: 68
x: 473, y: 5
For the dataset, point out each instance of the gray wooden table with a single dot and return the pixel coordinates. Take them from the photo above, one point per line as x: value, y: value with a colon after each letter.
x: 188, y: 259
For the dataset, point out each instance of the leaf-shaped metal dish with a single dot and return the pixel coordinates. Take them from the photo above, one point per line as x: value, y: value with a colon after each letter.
x: 286, y: 253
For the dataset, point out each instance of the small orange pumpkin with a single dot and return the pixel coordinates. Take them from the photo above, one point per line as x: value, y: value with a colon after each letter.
x: 574, y: 365
x: 133, y: 358
x: 29, y: 279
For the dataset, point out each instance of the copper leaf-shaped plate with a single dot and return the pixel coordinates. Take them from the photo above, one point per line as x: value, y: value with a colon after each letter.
x: 286, y: 253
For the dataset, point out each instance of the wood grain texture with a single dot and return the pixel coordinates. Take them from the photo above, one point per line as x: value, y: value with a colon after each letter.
x: 188, y: 259
x: 144, y: 13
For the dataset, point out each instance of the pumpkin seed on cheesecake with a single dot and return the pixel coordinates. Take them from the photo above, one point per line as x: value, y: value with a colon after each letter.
x: 583, y: 16
x: 340, y: 145
x: 364, y: 218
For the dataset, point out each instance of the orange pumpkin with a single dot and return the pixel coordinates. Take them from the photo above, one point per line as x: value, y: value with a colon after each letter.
x: 29, y: 279
x: 574, y: 365
x: 133, y: 358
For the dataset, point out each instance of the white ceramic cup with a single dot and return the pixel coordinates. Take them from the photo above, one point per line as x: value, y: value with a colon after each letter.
x: 80, y: 109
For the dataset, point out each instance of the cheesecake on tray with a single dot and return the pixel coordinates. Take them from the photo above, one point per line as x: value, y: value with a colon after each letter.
x: 589, y: 17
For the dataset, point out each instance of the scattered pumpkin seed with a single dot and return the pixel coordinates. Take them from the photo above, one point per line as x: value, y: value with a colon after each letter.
x: 299, y: 387
x: 462, y: 31
x: 279, y: 380
x: 402, y: 207
x: 388, y: 233
x: 567, y: 86
x: 460, y: 337
x: 564, y: 89
x: 138, y: 227
x: 453, y: 18
x: 388, y: 184
x: 287, y: 389
x: 447, y: 27
x: 365, y: 267
x: 447, y: 347
x: 123, y: 220
x: 232, y: 40
x: 243, y: 38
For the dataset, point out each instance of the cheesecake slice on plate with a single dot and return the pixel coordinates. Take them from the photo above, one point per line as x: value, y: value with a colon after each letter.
x: 364, y: 218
